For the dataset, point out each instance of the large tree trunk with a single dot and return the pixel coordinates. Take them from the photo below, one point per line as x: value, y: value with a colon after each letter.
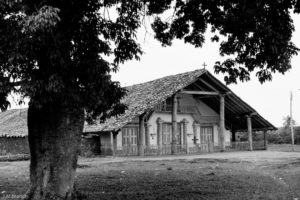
x: 54, y: 140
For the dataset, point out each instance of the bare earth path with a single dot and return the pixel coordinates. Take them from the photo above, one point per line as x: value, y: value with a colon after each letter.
x: 229, y: 175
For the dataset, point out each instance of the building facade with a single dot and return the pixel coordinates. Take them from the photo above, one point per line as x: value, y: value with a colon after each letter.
x: 186, y: 113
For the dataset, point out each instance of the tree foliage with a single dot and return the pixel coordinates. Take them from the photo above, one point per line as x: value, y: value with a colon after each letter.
x: 283, y: 136
x: 256, y: 35
x: 287, y: 122
x: 56, y: 51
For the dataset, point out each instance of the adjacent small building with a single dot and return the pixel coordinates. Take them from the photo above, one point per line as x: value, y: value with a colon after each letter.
x: 192, y: 112
x: 13, y: 132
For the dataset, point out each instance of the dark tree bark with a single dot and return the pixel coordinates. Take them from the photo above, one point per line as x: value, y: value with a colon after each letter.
x: 54, y: 140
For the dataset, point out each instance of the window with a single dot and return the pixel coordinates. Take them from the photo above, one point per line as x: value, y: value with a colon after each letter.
x: 129, y: 135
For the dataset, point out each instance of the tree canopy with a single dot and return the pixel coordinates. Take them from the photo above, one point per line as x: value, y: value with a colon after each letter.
x: 56, y: 51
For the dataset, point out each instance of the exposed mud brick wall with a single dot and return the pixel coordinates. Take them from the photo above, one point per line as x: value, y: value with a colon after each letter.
x: 19, y: 145
x: 14, y: 145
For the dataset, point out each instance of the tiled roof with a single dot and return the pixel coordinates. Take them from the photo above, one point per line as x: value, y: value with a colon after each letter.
x: 144, y: 96
x: 13, y: 123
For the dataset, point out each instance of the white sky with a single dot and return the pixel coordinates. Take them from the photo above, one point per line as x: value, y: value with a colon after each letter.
x: 271, y: 99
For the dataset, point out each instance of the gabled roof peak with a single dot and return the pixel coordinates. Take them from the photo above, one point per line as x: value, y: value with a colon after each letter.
x: 144, y: 96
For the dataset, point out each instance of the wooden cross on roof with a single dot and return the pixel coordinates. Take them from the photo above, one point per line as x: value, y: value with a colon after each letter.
x: 204, y: 65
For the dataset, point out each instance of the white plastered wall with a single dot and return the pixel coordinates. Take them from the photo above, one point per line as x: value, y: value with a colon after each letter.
x: 185, y: 99
x: 167, y: 118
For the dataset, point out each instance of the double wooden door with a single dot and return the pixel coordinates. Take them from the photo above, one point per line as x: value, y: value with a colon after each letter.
x: 167, y: 133
x: 207, y: 138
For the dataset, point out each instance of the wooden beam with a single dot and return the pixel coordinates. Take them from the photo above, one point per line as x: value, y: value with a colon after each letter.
x: 198, y: 86
x: 199, y: 92
x: 207, y: 84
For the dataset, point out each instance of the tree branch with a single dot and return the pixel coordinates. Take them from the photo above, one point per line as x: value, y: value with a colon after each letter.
x: 17, y: 83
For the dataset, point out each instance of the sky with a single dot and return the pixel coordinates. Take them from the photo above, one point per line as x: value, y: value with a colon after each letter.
x: 271, y: 99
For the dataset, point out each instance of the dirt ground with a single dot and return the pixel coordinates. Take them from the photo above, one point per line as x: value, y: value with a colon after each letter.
x: 230, y: 175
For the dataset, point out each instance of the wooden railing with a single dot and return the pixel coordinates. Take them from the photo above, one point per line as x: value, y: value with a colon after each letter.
x: 259, y: 145
x: 244, y: 146
x: 238, y: 146
x: 152, y: 150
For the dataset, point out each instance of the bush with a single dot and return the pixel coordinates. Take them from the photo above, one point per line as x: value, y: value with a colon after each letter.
x: 283, y: 136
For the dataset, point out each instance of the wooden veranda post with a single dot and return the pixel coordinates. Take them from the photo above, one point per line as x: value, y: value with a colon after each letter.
x: 159, y: 135
x: 147, y: 134
x: 112, y: 146
x: 174, y: 124
x: 141, y: 138
x: 222, y: 122
x: 265, y: 140
x: 195, y: 133
x: 249, y: 125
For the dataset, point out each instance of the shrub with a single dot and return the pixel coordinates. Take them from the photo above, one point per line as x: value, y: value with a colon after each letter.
x: 283, y: 136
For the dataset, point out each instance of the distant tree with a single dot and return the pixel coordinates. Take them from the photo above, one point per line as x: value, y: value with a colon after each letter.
x: 55, y: 53
x: 287, y: 122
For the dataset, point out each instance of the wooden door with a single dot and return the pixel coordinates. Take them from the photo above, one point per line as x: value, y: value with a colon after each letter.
x: 206, y: 138
x: 167, y: 133
x: 129, y: 140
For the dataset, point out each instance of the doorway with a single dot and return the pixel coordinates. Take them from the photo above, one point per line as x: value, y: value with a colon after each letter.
x: 206, y: 138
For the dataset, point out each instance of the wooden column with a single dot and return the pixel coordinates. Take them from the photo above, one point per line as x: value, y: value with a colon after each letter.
x: 184, y: 123
x: 147, y: 134
x: 249, y: 125
x: 141, y: 138
x: 115, y: 142
x: 266, y: 140
x: 195, y: 132
x: 222, y: 122
x: 159, y: 134
x: 112, y: 143
x: 174, y: 124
